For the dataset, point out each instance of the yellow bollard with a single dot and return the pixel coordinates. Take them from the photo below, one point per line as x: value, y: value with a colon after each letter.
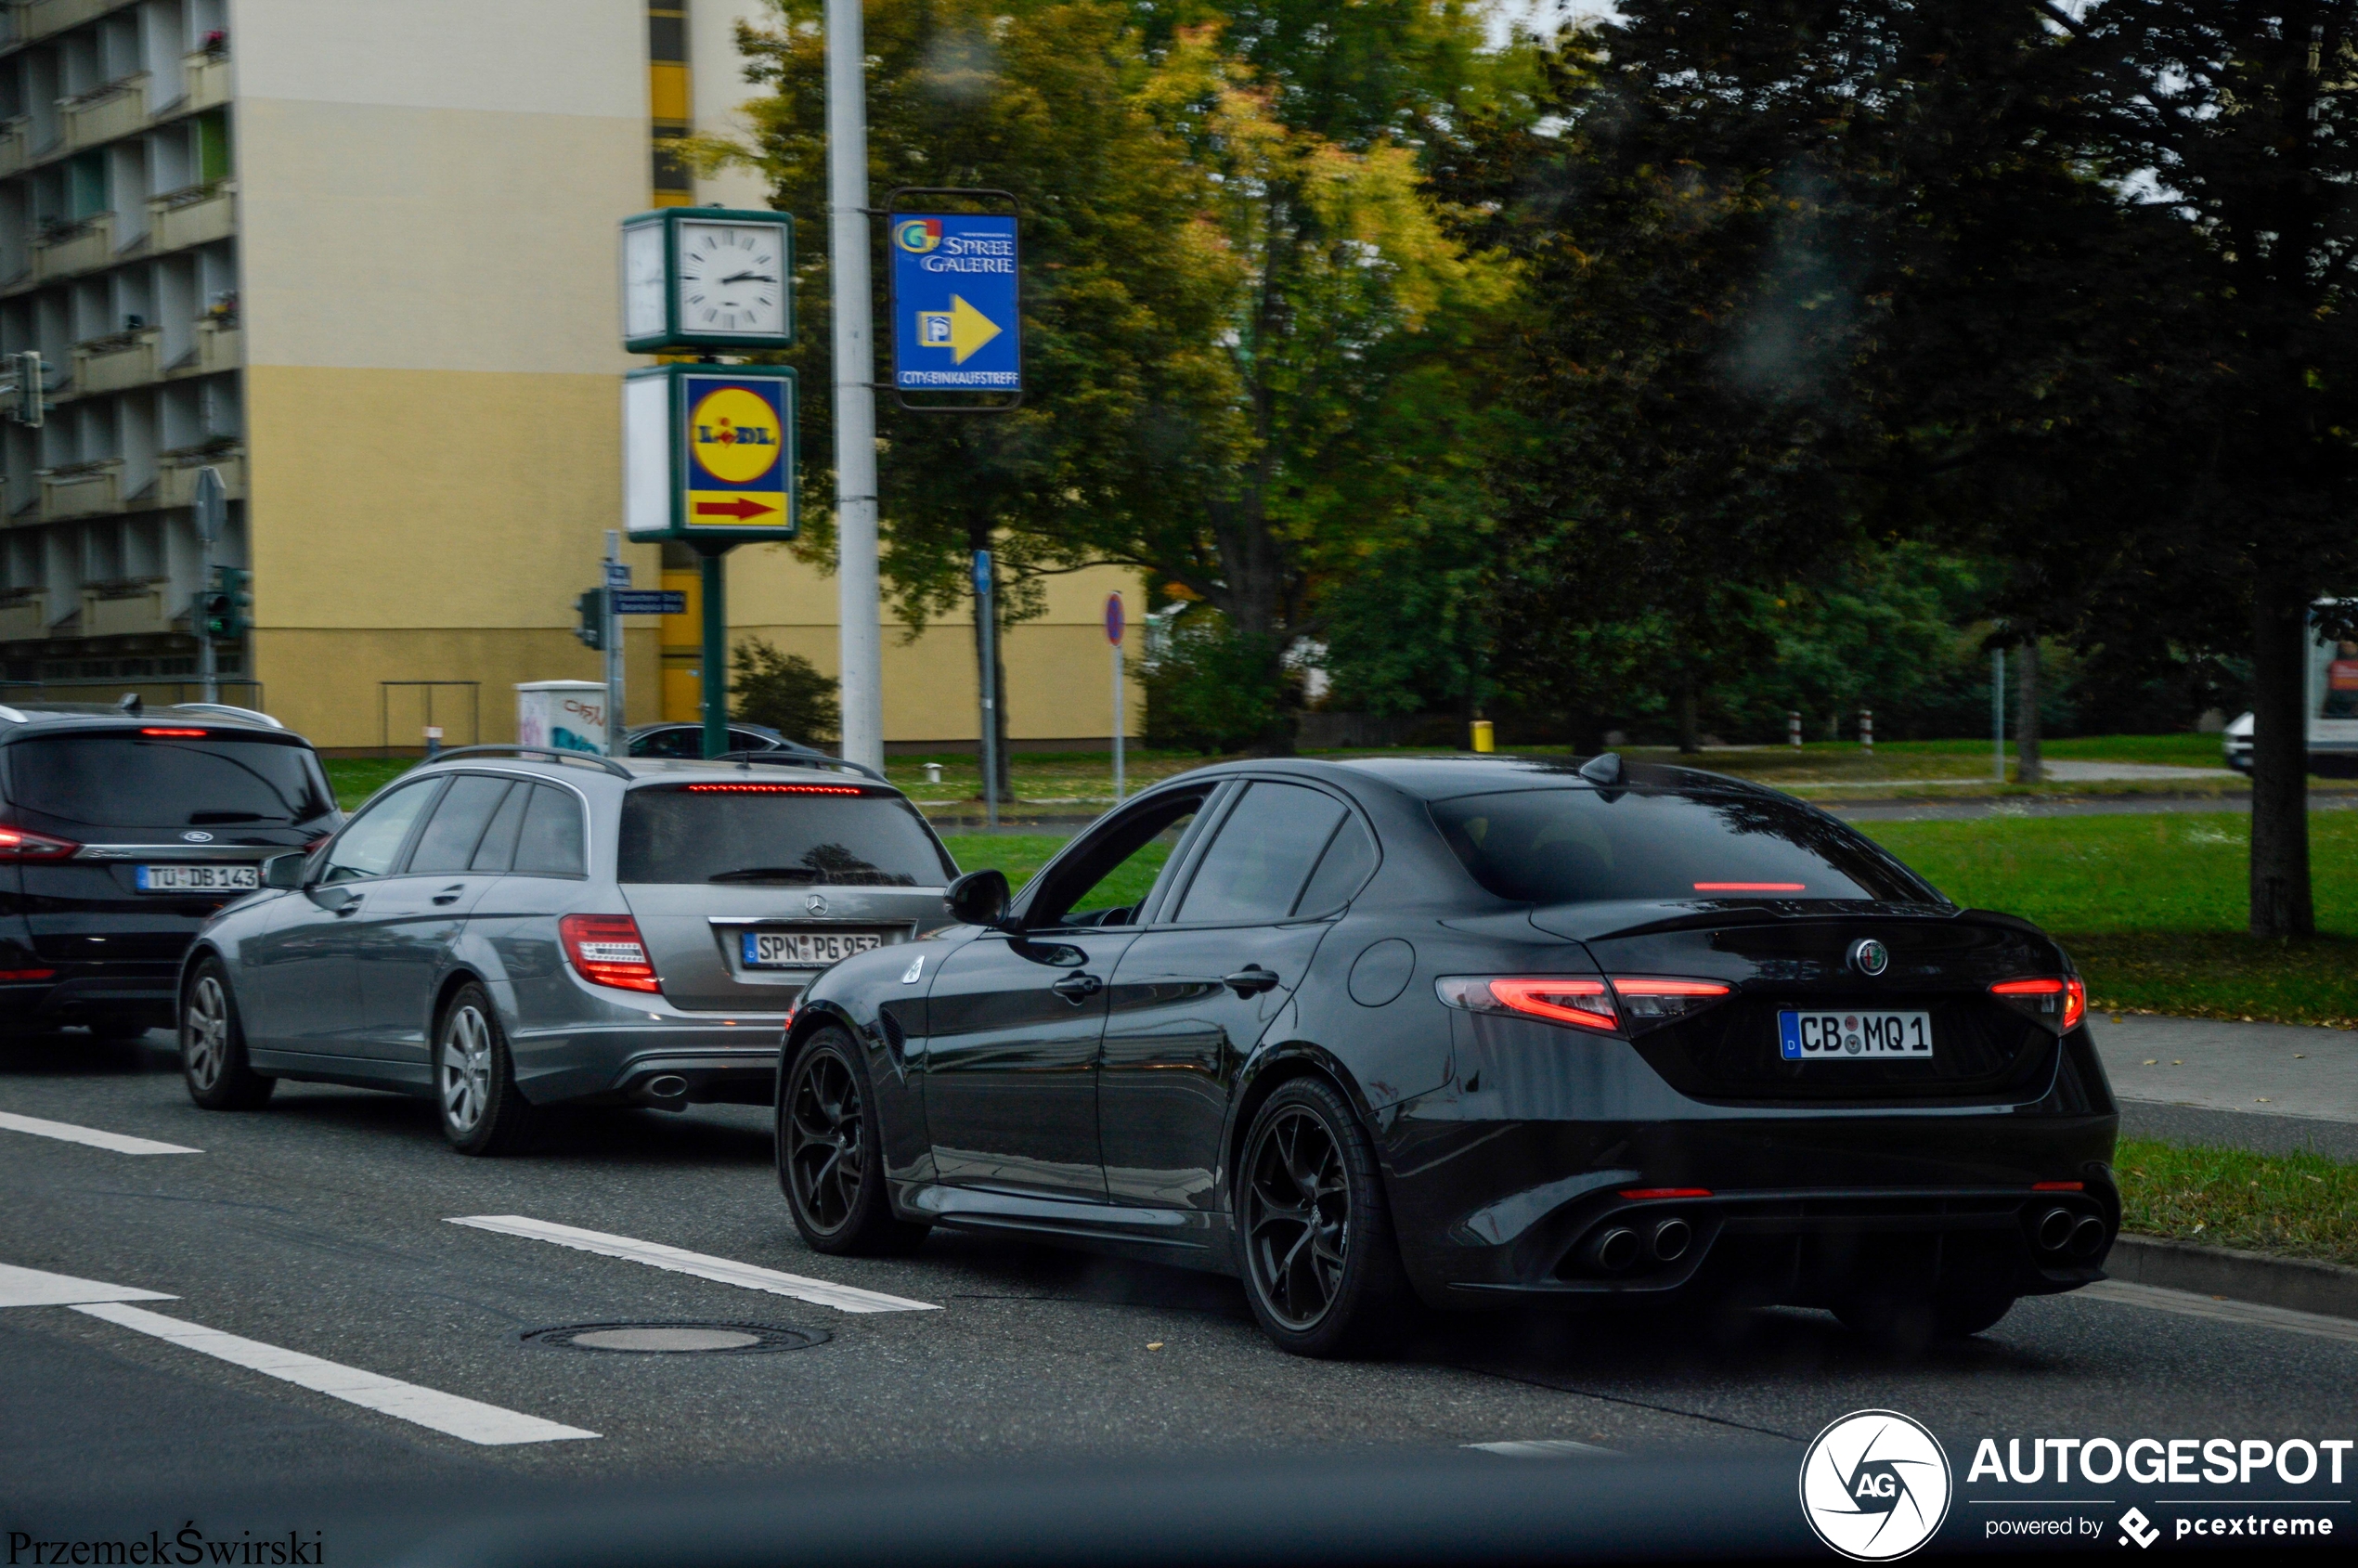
x: 1484, y: 739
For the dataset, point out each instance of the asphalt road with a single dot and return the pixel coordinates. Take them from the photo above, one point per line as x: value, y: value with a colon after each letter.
x: 320, y: 1225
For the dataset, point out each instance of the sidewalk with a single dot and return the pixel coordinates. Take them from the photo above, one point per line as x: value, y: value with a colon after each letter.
x: 2273, y: 1088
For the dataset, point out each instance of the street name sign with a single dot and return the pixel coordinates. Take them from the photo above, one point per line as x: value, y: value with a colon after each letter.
x: 708, y: 453
x: 650, y: 602
x: 954, y: 300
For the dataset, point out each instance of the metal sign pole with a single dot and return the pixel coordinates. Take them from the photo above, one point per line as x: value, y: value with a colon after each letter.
x: 1117, y: 623
x: 617, y: 579
x: 212, y: 504
x: 714, y: 682
x: 1998, y: 711
x: 984, y: 608
x: 860, y: 644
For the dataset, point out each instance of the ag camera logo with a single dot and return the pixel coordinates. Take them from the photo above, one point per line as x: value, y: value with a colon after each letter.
x: 1876, y: 1485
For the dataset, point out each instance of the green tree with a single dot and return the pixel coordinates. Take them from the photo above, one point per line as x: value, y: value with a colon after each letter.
x: 784, y: 691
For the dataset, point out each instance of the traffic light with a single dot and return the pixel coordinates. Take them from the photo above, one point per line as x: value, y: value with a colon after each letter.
x: 222, y: 608
x: 592, y: 630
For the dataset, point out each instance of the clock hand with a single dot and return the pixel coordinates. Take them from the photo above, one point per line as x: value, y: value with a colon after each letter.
x: 748, y: 278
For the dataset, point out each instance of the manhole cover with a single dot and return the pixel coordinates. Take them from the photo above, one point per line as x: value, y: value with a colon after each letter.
x: 674, y: 1339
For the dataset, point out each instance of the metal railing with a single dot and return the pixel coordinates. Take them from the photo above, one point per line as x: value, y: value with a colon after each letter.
x: 473, y: 690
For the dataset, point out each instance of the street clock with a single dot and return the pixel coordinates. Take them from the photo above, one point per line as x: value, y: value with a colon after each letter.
x: 707, y: 278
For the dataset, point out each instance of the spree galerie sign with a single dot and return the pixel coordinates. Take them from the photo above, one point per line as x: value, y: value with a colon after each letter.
x: 955, y: 299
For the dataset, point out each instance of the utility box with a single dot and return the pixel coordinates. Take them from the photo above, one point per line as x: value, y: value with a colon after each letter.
x: 562, y: 715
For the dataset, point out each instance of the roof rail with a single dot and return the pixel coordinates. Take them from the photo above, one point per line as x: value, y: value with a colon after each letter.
x: 551, y: 753
x: 797, y: 759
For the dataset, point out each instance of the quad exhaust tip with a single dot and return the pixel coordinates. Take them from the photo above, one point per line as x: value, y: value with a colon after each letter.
x: 670, y: 1086
x: 1671, y: 1239
x: 1615, y: 1249
x: 2087, y: 1238
x: 2055, y: 1229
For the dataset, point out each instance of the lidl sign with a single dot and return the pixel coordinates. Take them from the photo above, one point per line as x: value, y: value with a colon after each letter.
x: 954, y: 300
x: 709, y: 453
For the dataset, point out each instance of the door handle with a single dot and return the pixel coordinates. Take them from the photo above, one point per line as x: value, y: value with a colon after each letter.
x: 1251, y: 980
x: 350, y: 906
x: 450, y: 895
x: 1077, y: 988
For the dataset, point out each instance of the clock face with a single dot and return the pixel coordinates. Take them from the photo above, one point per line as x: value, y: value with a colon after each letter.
x: 642, y: 281
x: 733, y: 280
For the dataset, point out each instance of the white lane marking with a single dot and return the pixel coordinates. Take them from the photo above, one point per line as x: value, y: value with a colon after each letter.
x: 466, y: 1418
x: 29, y: 1287
x: 2193, y: 1305
x: 66, y: 1131
x: 820, y: 1293
x: 1547, y: 1448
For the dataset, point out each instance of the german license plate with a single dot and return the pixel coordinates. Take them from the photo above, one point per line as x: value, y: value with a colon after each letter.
x: 1816, y: 1037
x: 800, y: 950
x: 200, y: 878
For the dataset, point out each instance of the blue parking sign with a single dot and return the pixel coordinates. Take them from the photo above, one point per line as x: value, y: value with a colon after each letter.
x: 954, y: 302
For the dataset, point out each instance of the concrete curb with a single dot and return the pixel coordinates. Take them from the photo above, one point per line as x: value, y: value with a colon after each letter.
x: 2296, y: 1284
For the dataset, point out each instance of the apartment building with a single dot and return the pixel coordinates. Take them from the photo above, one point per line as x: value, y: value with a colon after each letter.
x: 359, y: 257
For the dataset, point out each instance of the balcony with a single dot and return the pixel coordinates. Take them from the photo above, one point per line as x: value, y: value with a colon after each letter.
x: 176, y: 472
x: 105, y: 113
x: 41, y: 17
x: 126, y: 609
x: 16, y: 143
x: 219, y: 346
x: 196, y: 214
x: 24, y: 615
x: 83, y: 489
x: 205, y: 78
x: 67, y: 249
x: 120, y: 360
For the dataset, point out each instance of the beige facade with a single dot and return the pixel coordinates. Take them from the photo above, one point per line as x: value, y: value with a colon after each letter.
x: 360, y: 258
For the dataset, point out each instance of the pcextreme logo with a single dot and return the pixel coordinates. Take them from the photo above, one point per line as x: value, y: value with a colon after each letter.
x: 918, y: 236
x: 1876, y: 1485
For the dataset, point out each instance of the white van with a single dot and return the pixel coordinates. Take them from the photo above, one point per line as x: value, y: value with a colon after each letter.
x: 2332, y: 706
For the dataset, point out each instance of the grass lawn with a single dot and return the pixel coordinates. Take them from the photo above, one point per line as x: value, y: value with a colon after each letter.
x: 2302, y: 1205
x: 1020, y: 855
x: 356, y: 778
x: 2154, y: 907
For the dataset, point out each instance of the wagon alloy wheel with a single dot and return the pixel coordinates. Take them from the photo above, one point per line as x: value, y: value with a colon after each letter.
x: 466, y: 1068
x: 206, y: 1034
x: 826, y: 1154
x: 1298, y: 1217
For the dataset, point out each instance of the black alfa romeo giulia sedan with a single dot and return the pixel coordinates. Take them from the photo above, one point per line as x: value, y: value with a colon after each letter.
x: 1477, y: 1032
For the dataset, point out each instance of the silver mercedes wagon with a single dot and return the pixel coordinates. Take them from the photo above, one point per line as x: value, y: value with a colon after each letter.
x: 504, y: 929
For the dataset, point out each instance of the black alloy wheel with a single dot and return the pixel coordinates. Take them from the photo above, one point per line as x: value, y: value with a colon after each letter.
x: 1321, y: 1268
x: 830, y: 1156
x: 212, y: 1045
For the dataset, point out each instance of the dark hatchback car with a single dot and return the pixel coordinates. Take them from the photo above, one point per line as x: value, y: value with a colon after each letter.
x: 1488, y: 1031
x: 121, y: 833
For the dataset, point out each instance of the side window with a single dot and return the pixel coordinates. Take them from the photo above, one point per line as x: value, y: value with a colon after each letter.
x: 498, y: 850
x: 1350, y: 857
x: 551, y: 844
x: 670, y: 743
x: 1256, y: 869
x: 456, y: 826
x: 1108, y: 881
x: 372, y: 842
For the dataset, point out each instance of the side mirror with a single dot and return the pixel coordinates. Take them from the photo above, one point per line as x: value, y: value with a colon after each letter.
x: 980, y: 897
x: 284, y: 870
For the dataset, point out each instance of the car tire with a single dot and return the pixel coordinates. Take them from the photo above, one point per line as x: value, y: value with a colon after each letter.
x: 475, y: 1096
x: 830, y: 1152
x: 213, y: 1043
x: 1321, y: 1266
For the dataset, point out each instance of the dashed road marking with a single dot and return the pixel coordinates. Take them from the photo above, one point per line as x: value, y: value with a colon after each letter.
x: 466, y: 1418
x: 30, y: 1287
x: 66, y: 1131
x: 1547, y: 1448
x: 2190, y: 1304
x: 727, y: 1271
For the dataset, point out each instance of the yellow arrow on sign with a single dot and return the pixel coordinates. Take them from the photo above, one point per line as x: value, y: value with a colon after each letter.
x: 969, y: 330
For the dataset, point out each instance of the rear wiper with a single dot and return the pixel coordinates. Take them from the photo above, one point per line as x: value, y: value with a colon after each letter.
x: 767, y: 874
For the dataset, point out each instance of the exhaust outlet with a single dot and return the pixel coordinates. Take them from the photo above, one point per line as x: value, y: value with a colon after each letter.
x: 1671, y: 1240
x: 670, y: 1086
x: 2087, y: 1238
x: 2055, y: 1229
x: 1615, y: 1251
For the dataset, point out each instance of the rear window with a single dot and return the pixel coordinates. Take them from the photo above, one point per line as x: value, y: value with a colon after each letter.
x: 1583, y: 846
x: 771, y: 833
x: 132, y: 780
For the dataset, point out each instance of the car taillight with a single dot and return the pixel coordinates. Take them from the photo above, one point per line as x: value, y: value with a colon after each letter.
x: 9, y: 977
x: 1653, y: 996
x: 1560, y: 999
x: 23, y: 844
x: 606, y: 949
x: 2044, y: 996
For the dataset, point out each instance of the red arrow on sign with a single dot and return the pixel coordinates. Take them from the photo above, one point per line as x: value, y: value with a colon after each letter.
x: 739, y: 509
